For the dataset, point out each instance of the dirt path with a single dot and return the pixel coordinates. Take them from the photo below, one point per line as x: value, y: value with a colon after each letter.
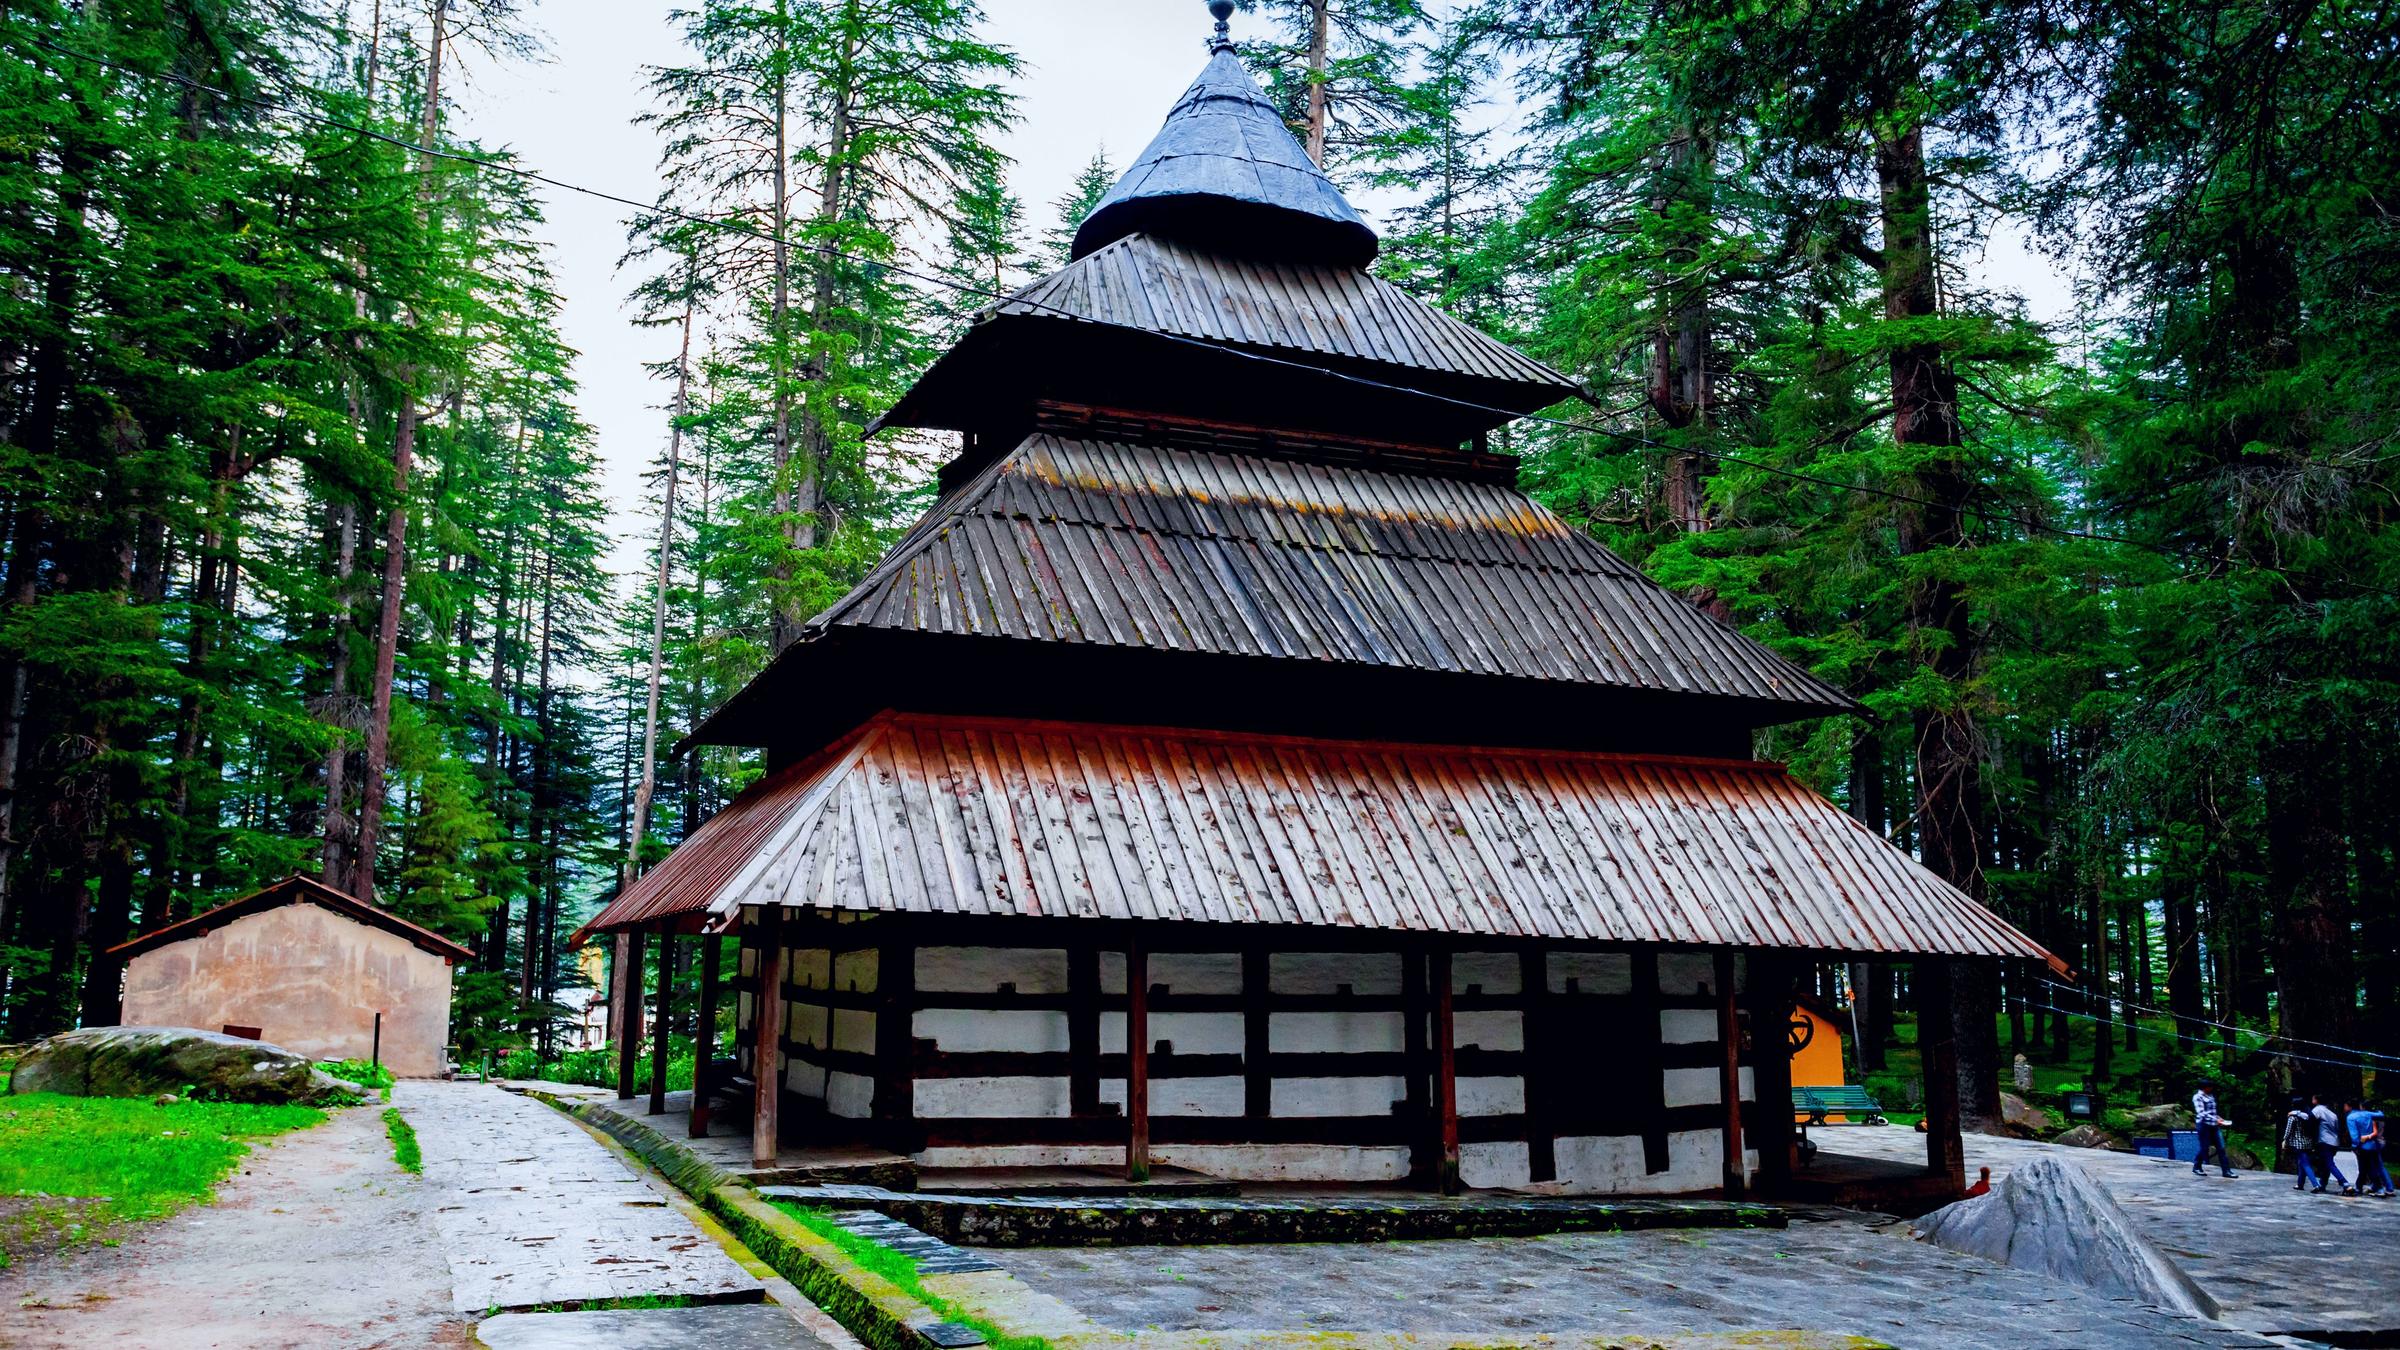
x: 319, y: 1241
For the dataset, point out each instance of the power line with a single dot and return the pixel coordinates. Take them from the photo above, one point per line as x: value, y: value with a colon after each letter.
x: 2027, y: 523
x: 2199, y: 1040
x: 2227, y: 1026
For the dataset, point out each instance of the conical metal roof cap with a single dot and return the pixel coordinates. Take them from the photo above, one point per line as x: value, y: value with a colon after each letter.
x: 1225, y: 174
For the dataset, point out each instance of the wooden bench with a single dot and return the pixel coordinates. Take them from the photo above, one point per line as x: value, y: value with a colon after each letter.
x: 1816, y: 1103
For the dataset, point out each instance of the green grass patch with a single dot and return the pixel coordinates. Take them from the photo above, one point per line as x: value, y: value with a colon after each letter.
x: 365, y: 1073
x: 901, y: 1270
x: 404, y: 1140
x: 72, y: 1168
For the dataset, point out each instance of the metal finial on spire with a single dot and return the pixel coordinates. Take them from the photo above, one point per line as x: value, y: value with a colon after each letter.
x: 1223, y: 39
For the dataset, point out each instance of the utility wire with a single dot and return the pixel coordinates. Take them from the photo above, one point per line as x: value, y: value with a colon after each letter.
x: 2027, y: 523
x: 2199, y: 1040
x: 2226, y: 1026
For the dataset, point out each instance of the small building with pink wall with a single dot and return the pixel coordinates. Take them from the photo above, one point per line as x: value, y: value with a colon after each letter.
x: 305, y: 967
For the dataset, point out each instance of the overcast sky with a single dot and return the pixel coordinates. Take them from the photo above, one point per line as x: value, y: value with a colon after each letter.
x: 1098, y: 72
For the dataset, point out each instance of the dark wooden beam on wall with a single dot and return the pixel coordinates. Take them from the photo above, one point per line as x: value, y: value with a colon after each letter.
x: 1649, y: 1063
x: 1083, y: 1031
x: 1258, y: 1081
x: 766, y: 1055
x: 1729, y: 1075
x: 629, y: 1010
x: 1445, y: 1069
x: 1416, y: 1059
x: 895, y: 1017
x: 1937, y: 1042
x: 1137, y: 1061
x: 1542, y: 1065
x: 704, y: 1035
x: 662, y: 1023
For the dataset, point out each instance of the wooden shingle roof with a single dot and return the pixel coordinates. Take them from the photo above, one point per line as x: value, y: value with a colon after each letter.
x: 1224, y: 168
x: 1183, y: 549
x: 923, y: 814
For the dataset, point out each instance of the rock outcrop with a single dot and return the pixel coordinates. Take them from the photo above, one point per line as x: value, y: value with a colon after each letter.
x: 2050, y: 1216
x: 2087, y: 1136
x: 149, y: 1061
x: 2022, y: 1118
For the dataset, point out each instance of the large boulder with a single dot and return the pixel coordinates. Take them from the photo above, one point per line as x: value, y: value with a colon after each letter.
x: 2087, y: 1136
x: 146, y: 1061
x: 2022, y: 1118
x: 2049, y: 1216
x: 2160, y: 1119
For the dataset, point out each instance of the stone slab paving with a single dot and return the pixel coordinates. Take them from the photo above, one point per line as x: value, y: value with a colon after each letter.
x: 534, y: 1212
x: 751, y: 1326
x: 2280, y: 1261
x: 1843, y: 1276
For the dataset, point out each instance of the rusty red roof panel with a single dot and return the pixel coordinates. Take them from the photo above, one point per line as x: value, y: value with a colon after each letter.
x: 947, y: 815
x: 1189, y: 549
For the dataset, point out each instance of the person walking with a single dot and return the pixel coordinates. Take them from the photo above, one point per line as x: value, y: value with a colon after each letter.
x: 2300, y: 1140
x: 2212, y: 1130
x: 2366, y: 1139
x: 2329, y: 1141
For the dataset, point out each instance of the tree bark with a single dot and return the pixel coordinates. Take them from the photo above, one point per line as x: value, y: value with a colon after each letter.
x: 663, y: 577
x: 1950, y: 828
x: 1319, y: 41
x: 372, y: 786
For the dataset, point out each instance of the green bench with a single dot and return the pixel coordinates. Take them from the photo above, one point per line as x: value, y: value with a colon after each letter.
x: 1810, y: 1105
x: 1816, y: 1103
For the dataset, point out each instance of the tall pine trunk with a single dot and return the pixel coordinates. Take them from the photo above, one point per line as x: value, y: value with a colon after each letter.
x: 663, y: 577
x: 376, y: 767
x: 1925, y: 425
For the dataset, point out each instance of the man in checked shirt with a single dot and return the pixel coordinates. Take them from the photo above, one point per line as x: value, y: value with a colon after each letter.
x: 2212, y: 1129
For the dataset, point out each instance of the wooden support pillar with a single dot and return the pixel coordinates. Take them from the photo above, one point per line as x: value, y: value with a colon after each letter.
x: 895, y: 1043
x: 1770, y: 999
x: 1649, y: 1061
x: 1937, y: 1043
x: 1137, y: 1061
x: 1541, y: 1057
x: 1729, y: 1075
x: 629, y: 1010
x: 1083, y: 1031
x: 1416, y: 1004
x: 1258, y: 1084
x: 766, y: 1048
x: 663, y: 1023
x: 1445, y: 1069
x: 704, y: 1034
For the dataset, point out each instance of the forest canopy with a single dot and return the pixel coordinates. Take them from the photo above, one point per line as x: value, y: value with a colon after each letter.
x: 304, y: 562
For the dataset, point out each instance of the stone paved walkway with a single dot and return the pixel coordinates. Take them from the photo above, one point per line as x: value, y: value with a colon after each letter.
x: 1838, y: 1276
x: 533, y: 1212
x: 2280, y: 1262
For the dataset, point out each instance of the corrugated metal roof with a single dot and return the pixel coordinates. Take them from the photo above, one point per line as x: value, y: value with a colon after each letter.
x: 1236, y: 554
x: 1165, y: 286
x: 1225, y: 161
x: 960, y: 816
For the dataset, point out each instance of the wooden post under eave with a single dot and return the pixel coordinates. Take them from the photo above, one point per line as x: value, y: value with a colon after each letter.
x: 704, y: 1033
x: 1937, y: 1042
x: 1729, y: 1076
x: 1137, y: 1061
x: 663, y: 1023
x: 1770, y: 998
x: 629, y: 1009
x: 766, y: 1048
x: 1445, y: 1068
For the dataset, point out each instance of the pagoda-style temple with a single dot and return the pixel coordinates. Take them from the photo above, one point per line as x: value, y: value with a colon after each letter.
x: 1233, y: 770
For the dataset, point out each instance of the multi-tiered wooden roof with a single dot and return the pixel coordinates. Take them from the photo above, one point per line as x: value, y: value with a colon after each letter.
x: 1225, y: 609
